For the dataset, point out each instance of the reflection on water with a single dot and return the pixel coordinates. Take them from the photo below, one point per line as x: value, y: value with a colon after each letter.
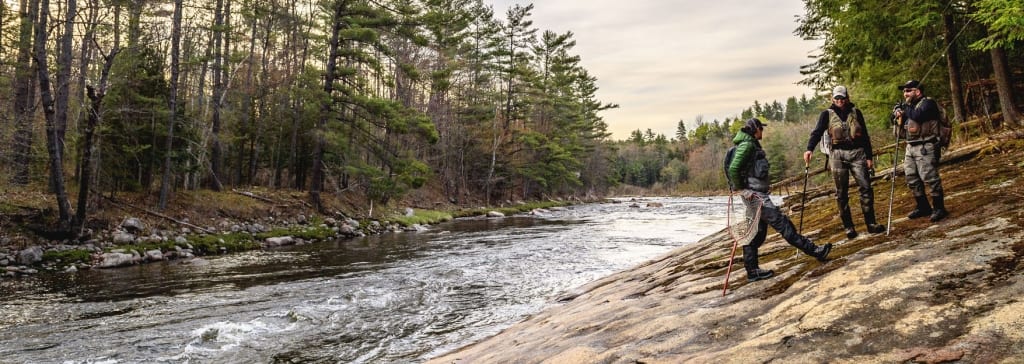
x: 389, y: 298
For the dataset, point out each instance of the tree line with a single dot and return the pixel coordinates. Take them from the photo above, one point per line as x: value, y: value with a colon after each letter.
x: 690, y: 161
x: 380, y: 97
x: 368, y: 97
x: 967, y: 53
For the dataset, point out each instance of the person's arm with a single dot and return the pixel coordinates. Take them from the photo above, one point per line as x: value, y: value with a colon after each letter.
x: 816, y: 135
x: 818, y: 131
x: 739, y: 160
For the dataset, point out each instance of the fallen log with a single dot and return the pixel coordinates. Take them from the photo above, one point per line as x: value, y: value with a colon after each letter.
x: 154, y: 213
x: 253, y: 195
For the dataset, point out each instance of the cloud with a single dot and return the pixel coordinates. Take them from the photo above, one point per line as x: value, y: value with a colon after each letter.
x: 663, y: 61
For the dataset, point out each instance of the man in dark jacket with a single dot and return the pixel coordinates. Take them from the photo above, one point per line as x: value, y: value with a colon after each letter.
x: 920, y: 122
x: 847, y: 133
x: 748, y: 172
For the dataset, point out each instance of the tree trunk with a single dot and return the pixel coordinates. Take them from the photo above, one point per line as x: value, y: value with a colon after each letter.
x: 165, y: 181
x: 264, y: 94
x: 248, y: 144
x: 1011, y: 117
x: 52, y: 142
x: 88, y: 132
x: 326, y: 109
x: 64, y: 61
x: 24, y: 94
x: 216, y: 153
x: 956, y: 91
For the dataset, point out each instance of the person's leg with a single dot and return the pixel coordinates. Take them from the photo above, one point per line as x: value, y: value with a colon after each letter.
x: 862, y: 175
x: 840, y: 164
x: 750, y: 264
x: 774, y: 217
x: 754, y: 271
x: 930, y: 174
x: 912, y: 165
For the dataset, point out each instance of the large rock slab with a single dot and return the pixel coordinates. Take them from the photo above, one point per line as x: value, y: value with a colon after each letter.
x: 929, y: 292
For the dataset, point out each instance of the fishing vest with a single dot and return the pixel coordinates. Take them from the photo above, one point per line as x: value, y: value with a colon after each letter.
x: 923, y: 130
x: 844, y: 132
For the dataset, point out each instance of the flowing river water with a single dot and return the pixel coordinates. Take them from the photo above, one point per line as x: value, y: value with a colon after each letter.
x: 393, y: 298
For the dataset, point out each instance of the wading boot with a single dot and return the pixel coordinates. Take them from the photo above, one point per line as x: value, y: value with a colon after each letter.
x: 940, y: 209
x: 818, y: 252
x: 923, y: 208
x: 821, y: 253
x: 750, y: 263
x: 869, y: 220
x: 847, y: 219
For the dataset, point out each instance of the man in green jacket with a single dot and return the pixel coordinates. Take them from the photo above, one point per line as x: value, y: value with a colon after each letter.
x: 748, y: 173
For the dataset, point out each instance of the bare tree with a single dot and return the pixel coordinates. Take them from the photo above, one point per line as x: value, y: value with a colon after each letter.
x: 52, y: 136
x: 219, y: 73
x: 24, y: 93
x: 1004, y: 86
x: 956, y: 91
x: 165, y: 181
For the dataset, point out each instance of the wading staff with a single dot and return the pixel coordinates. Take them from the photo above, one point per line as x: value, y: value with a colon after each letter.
x: 735, y: 242
x: 803, y: 198
x: 897, y: 124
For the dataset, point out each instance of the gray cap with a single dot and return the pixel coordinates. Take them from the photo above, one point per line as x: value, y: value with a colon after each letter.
x: 840, y: 91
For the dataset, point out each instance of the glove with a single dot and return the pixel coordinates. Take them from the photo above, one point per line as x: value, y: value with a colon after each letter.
x: 747, y: 194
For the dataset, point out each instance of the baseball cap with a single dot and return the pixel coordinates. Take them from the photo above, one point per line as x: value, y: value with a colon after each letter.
x: 912, y: 84
x: 840, y: 91
x: 753, y: 123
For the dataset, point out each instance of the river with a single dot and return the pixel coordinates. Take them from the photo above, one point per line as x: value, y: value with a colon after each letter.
x: 393, y: 298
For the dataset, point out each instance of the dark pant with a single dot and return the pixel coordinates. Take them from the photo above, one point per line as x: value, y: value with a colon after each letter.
x: 842, y: 162
x: 772, y: 215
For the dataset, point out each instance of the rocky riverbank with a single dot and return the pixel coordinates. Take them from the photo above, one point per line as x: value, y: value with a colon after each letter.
x: 203, y: 223
x: 135, y: 242
x: 948, y: 292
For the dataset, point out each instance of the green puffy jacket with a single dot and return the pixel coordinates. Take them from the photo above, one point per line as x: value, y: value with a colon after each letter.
x: 749, y: 167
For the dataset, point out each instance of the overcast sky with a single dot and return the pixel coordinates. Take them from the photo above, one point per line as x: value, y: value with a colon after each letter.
x: 663, y: 61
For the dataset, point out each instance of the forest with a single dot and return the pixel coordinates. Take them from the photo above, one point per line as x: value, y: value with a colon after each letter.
x: 379, y: 98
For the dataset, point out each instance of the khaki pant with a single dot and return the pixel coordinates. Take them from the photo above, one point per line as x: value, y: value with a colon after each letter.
x: 922, y: 167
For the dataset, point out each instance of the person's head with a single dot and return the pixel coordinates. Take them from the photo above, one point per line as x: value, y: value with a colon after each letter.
x: 840, y: 97
x: 913, y: 90
x: 754, y: 127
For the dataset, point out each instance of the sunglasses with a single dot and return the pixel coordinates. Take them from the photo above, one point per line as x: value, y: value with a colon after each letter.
x: 839, y: 98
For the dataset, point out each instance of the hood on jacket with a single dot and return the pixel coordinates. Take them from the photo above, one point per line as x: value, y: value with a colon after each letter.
x: 742, y: 137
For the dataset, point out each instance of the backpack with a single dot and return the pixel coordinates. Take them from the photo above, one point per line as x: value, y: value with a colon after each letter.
x: 728, y: 160
x: 945, y: 128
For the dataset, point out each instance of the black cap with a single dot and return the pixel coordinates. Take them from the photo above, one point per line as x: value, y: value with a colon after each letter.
x: 911, y: 84
x: 752, y: 125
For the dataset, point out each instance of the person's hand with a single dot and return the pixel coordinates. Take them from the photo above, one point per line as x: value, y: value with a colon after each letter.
x: 747, y: 194
x: 807, y: 157
x: 870, y: 164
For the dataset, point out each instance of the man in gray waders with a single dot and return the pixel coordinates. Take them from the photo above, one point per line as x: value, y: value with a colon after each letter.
x: 748, y: 171
x: 847, y: 133
x: 922, y: 123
